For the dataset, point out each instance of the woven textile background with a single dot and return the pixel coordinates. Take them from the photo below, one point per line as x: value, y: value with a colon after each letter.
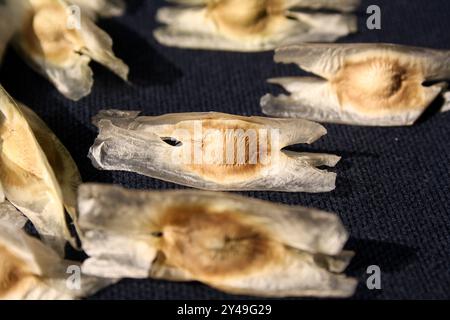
x: 393, y: 183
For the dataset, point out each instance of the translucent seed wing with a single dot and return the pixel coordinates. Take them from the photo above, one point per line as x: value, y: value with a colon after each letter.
x: 298, y: 275
x: 302, y: 228
x: 309, y: 98
x: 386, y: 83
x: 191, y: 28
x: 74, y: 81
x: 110, y: 208
x: 325, y: 60
x: 319, y: 27
x: 196, y: 28
x: 60, y: 160
x: 61, y: 51
x: 310, y: 241
x: 315, y: 100
x: 10, y: 216
x: 98, y: 46
x: 291, y: 131
x: 116, y: 232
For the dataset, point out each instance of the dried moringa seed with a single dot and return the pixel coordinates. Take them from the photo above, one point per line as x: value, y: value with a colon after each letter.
x: 29, y: 270
x: 252, y: 25
x: 236, y: 244
x: 37, y: 174
x: 59, y: 45
x: 363, y: 84
x: 213, y: 151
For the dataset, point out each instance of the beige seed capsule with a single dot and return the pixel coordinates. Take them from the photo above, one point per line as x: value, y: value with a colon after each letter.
x: 365, y: 84
x: 214, y: 151
x: 236, y: 244
x: 37, y: 174
x: 252, y: 25
x: 60, y: 43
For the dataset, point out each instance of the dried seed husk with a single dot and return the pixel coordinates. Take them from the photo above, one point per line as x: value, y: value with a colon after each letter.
x: 55, y: 47
x: 31, y: 271
x: 252, y: 25
x: 37, y: 174
x: 214, y: 151
x: 362, y: 84
x: 236, y: 244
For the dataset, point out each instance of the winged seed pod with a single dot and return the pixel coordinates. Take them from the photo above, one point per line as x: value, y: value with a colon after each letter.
x: 213, y: 151
x: 60, y: 44
x: 252, y: 25
x: 29, y: 270
x: 362, y: 84
x: 232, y: 243
x: 37, y: 173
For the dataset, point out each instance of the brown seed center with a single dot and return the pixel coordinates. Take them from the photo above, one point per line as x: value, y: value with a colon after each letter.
x: 209, y: 244
x: 378, y: 79
x: 379, y: 84
x: 244, y: 16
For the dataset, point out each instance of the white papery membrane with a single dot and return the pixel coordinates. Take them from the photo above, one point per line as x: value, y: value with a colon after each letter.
x: 360, y: 84
x: 59, y: 40
x: 232, y: 243
x: 252, y: 25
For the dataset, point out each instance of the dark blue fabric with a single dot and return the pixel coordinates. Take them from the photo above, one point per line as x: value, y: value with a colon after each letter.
x: 393, y: 183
